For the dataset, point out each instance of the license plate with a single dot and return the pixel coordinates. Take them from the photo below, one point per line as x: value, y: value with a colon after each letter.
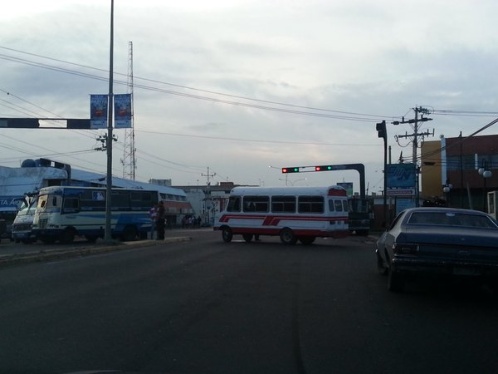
x: 465, y: 271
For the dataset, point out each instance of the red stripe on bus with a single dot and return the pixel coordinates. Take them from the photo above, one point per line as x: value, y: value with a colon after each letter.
x: 275, y: 220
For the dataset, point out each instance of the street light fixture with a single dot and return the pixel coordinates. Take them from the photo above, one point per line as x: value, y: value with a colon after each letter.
x: 485, y: 174
x: 447, y: 189
x: 286, y: 176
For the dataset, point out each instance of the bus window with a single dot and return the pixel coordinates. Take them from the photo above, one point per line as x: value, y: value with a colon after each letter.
x: 283, y: 204
x: 120, y: 200
x: 142, y: 200
x: 338, y: 205
x: 331, y: 205
x: 256, y: 203
x: 71, y: 205
x: 233, y: 204
x: 310, y: 204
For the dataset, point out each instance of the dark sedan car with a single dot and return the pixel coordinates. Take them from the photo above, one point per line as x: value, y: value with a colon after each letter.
x: 440, y: 242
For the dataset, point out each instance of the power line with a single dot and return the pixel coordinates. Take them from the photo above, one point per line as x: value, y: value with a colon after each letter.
x: 296, y: 109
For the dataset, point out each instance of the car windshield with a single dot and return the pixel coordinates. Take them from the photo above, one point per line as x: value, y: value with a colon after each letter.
x: 451, y: 219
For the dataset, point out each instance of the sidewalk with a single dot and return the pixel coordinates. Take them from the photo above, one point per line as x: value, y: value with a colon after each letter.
x: 16, y: 253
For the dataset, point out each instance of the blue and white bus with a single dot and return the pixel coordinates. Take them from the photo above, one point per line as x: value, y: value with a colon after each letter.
x: 64, y: 212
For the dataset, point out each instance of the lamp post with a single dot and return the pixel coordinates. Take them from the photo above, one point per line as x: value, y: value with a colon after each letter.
x: 274, y: 167
x: 485, y: 174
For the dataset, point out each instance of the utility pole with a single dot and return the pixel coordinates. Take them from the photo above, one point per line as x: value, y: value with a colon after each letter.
x: 415, y: 142
x: 208, y: 175
x: 107, y: 233
x: 208, y: 207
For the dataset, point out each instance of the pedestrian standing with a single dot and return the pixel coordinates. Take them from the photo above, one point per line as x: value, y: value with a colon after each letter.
x: 153, y: 215
x: 160, y: 217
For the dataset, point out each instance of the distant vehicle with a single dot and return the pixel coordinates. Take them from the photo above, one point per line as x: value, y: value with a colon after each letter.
x: 22, y: 227
x: 359, y: 215
x: 293, y: 213
x: 439, y: 242
x: 64, y: 212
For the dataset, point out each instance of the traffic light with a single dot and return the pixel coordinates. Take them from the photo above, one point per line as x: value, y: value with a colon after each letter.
x: 323, y: 168
x: 381, y: 130
x: 20, y: 123
x: 292, y: 169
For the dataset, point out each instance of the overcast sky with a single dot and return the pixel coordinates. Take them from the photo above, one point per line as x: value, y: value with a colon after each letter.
x: 235, y: 87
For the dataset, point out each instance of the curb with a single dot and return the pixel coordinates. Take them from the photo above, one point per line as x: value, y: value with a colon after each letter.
x: 57, y: 254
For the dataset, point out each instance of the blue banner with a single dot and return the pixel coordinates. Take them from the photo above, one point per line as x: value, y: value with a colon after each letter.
x: 122, y: 111
x: 98, y: 111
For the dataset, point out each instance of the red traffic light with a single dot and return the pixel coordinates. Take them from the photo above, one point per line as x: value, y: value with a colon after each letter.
x: 290, y: 170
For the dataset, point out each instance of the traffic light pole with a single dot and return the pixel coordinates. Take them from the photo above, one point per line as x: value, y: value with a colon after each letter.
x: 382, y: 133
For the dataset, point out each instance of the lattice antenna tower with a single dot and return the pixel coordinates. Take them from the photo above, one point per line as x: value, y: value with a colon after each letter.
x: 129, y: 157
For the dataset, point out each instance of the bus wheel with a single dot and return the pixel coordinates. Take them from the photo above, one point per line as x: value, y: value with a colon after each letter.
x: 247, y: 237
x: 287, y: 236
x: 227, y: 234
x: 129, y: 233
x: 67, y: 236
x: 307, y: 240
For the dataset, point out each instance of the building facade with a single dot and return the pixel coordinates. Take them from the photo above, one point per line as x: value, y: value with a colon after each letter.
x: 461, y: 171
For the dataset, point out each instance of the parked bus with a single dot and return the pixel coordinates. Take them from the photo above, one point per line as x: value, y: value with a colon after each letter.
x: 64, y: 212
x: 293, y: 213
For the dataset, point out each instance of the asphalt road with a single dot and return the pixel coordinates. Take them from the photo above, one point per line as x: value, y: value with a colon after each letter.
x: 204, y: 306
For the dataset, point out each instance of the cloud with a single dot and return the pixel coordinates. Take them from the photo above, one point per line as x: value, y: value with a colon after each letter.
x: 217, y: 73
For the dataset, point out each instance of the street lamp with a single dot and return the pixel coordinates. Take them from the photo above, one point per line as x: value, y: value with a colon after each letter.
x: 447, y: 189
x: 274, y: 167
x: 485, y: 174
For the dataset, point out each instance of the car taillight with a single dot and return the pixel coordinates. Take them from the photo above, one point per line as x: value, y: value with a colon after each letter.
x: 405, y: 249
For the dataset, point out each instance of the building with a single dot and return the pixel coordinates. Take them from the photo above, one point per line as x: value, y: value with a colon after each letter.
x: 208, y: 200
x: 460, y: 171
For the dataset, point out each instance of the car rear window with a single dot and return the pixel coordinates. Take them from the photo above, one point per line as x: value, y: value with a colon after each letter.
x: 451, y: 219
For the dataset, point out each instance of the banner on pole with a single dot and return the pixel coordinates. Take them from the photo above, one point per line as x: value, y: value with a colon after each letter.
x: 98, y: 111
x: 122, y: 111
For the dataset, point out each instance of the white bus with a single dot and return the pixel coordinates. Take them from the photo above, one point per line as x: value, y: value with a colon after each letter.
x: 293, y: 213
x: 64, y: 212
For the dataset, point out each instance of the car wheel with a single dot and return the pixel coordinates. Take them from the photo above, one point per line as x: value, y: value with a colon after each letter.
x: 226, y: 234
